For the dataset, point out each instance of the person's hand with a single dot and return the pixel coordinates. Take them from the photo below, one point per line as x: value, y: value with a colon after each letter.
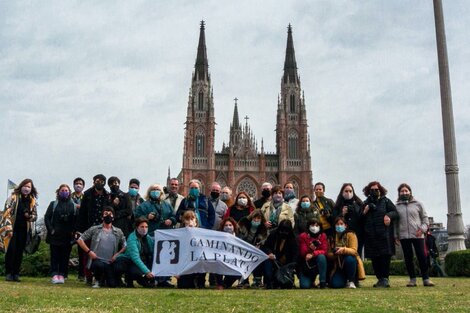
x: 345, y: 210
x: 271, y: 256
x: 387, y: 220
x: 116, y: 201
x: 366, y: 209
x: 27, y: 216
x: 168, y: 222
x: 92, y: 255
x: 308, y: 257
x: 311, y: 246
x: 114, y: 257
x: 151, y: 216
x: 77, y: 206
x: 268, y: 224
x: 397, y: 242
x: 419, y: 232
x: 149, y: 275
x: 340, y: 250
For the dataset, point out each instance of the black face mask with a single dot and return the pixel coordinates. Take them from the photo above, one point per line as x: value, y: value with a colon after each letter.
x: 99, y: 186
x: 114, y: 188
x: 108, y: 219
x: 215, y: 194
x: 266, y: 193
x: 374, y: 194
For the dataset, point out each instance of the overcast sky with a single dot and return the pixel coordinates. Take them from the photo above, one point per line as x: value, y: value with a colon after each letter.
x: 91, y: 87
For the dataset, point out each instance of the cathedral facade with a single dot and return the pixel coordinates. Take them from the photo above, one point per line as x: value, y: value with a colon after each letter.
x: 240, y: 164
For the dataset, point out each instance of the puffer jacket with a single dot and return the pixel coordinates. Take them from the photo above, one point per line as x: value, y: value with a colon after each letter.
x: 413, y: 216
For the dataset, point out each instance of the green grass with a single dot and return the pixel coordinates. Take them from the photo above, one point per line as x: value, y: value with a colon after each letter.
x: 38, y: 295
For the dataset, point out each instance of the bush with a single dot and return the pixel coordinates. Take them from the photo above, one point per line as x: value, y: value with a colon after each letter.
x: 457, y: 263
x: 397, y: 267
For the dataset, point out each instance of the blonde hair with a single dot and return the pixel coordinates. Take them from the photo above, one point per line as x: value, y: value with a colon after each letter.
x: 150, y: 188
x: 189, y: 215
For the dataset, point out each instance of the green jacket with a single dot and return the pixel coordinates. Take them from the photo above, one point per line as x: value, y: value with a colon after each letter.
x: 134, y: 249
x: 163, y: 211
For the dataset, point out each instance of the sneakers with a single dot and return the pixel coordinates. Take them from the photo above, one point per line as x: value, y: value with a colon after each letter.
x: 58, y: 279
x: 9, y: 277
x: 382, y: 283
x: 411, y: 283
x: 350, y: 285
x: 322, y: 285
x: 428, y: 283
x: 96, y: 284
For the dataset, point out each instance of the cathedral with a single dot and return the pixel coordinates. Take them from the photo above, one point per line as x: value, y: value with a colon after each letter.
x: 240, y: 164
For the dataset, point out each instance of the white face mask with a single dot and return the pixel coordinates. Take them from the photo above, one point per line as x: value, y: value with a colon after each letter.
x: 347, y: 195
x: 314, y: 229
x: 26, y: 190
x: 142, y: 231
x: 242, y: 201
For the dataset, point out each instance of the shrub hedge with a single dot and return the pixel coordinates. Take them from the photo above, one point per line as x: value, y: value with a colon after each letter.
x: 457, y: 263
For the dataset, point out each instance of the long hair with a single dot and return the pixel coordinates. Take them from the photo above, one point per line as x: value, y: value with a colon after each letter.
x: 340, y: 200
x: 249, y: 204
x: 297, y: 209
x: 34, y: 192
x: 405, y: 185
x: 366, y: 189
x: 231, y: 220
x: 60, y: 187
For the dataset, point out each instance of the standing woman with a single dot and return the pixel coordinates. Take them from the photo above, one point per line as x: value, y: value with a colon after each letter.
x: 60, y: 219
x: 21, y: 212
x: 379, y: 213
x: 304, y: 213
x: 411, y: 229
x: 349, y: 206
x: 242, y: 207
x: 276, y: 210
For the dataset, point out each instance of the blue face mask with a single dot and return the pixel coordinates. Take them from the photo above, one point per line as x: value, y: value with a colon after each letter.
x: 155, y: 194
x: 194, y: 193
x: 255, y: 224
x: 340, y: 228
x: 304, y: 205
x: 133, y: 192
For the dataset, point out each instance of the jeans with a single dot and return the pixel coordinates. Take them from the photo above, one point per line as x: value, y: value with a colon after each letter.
x: 131, y: 272
x: 307, y: 277
x: 104, y: 271
x: 347, y: 273
x: 60, y: 259
x: 407, y: 247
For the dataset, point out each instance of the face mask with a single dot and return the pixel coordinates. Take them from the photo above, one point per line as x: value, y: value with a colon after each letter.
x: 242, y: 201
x: 215, y: 194
x: 228, y: 229
x: 266, y: 193
x: 194, y: 193
x: 99, y: 186
x: 305, y: 205
x: 289, y: 194
x: 277, y: 198
x: 133, y: 192
x: 224, y: 196
x: 114, y: 188
x: 64, y: 194
x: 314, y: 229
x: 347, y: 195
x: 108, y: 219
x: 404, y: 197
x: 25, y: 190
x: 155, y: 194
x: 142, y: 231
x: 255, y: 224
x: 340, y: 228
x: 374, y: 193
x: 319, y: 193
x: 78, y: 188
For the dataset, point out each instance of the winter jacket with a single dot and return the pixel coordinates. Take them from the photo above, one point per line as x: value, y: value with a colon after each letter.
x: 134, y: 250
x: 91, y: 208
x: 220, y: 209
x: 354, y: 218
x: 325, y: 208
x: 233, y: 210
x: 202, y: 207
x: 378, y: 238
x: 413, y: 216
x: 122, y: 211
x: 244, y: 231
x: 305, y: 239
x: 284, y: 213
x: 302, y: 217
x: 162, y: 210
x: 178, y: 200
x: 60, y: 219
x: 286, y: 254
x: 347, y: 240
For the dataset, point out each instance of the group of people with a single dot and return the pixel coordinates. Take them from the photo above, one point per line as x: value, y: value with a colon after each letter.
x: 311, y: 235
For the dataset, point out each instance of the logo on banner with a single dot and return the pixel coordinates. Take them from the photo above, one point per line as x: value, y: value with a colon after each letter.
x: 168, y: 252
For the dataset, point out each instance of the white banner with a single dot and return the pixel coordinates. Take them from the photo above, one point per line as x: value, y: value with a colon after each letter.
x: 196, y: 250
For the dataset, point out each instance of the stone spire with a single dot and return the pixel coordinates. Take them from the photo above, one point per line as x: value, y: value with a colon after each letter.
x: 290, y: 65
x: 201, y: 68
x: 236, y: 120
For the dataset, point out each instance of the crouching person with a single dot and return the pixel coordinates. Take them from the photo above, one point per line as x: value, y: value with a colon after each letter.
x: 347, y: 267
x: 107, y: 243
x: 136, y: 262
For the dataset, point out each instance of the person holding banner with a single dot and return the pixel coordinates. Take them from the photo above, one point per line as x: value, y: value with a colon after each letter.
x: 136, y: 261
x: 228, y: 225
x: 19, y: 214
x: 282, y: 250
x: 189, y: 281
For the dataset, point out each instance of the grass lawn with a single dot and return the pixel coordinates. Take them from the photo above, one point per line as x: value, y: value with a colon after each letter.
x: 39, y: 295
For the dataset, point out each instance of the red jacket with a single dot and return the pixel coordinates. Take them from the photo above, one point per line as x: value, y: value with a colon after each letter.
x: 305, y: 240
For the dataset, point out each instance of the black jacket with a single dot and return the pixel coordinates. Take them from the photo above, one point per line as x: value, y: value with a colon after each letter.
x: 60, y: 219
x: 91, y: 209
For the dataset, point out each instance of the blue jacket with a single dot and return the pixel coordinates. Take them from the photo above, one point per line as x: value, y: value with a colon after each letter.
x: 202, y: 207
x: 134, y: 249
x: 163, y: 211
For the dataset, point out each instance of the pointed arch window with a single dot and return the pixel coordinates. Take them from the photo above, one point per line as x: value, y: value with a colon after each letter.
x: 293, y: 145
x: 292, y: 104
x: 200, y: 101
x: 199, y: 143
